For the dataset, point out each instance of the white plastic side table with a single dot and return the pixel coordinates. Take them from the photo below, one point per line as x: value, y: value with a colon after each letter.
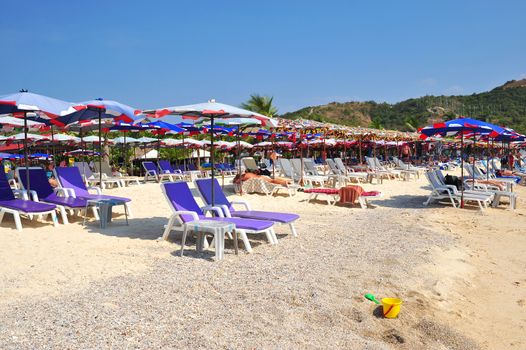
x: 216, y: 228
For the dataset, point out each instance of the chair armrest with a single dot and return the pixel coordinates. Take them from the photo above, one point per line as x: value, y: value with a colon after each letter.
x: 34, y: 195
x: 21, y: 194
x: 243, y: 203
x: 95, y: 188
x: 193, y: 214
x: 214, y: 209
x: 66, y: 192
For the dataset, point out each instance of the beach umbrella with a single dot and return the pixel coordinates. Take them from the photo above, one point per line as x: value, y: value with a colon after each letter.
x: 238, y: 123
x: 31, y: 105
x: 95, y: 113
x: 463, y: 127
x: 211, y: 111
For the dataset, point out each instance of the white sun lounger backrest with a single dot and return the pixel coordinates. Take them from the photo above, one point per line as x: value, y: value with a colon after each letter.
x: 286, y: 168
x: 469, y: 169
x: 332, y: 166
x: 494, y: 164
x: 371, y: 163
x: 296, y: 165
x: 310, y: 168
x: 250, y: 164
x: 433, y: 179
x: 84, y: 169
x: 340, y: 165
x: 440, y: 176
x: 106, y: 168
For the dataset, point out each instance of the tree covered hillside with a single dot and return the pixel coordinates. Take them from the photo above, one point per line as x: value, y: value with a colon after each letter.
x: 504, y: 105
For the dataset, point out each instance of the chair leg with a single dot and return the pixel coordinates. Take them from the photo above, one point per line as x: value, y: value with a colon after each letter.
x: 169, y: 226
x: 270, y: 239
x: 128, y: 208
x: 293, y: 229
x: 64, y: 214
x: 95, y: 212
x: 363, y: 202
x: 185, y: 231
x: 244, y: 238
x: 273, y: 233
x: 18, y: 223
x: 54, y: 218
x: 2, y: 212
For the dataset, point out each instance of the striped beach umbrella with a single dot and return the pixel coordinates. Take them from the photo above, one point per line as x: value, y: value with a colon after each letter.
x: 465, y: 127
x: 93, y: 113
x: 211, y: 111
x: 22, y: 103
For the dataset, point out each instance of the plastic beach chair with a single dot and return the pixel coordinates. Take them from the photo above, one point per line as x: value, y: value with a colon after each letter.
x: 451, y: 193
x: 108, y: 173
x: 166, y: 168
x: 152, y: 171
x: 69, y: 177
x: 41, y: 191
x: 185, y: 209
x: 204, y: 186
x: 9, y: 204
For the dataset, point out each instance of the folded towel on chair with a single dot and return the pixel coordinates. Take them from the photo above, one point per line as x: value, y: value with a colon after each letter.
x: 350, y: 194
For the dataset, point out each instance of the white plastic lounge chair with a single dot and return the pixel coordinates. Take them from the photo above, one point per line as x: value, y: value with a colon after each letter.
x: 451, y: 193
x: 350, y: 173
x: 110, y: 174
x: 90, y: 178
x: 307, y: 179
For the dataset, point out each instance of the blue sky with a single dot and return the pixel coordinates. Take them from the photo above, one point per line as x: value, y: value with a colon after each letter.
x: 153, y: 54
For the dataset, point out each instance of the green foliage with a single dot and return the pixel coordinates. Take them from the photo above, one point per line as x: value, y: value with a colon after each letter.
x: 260, y: 104
x: 505, y: 105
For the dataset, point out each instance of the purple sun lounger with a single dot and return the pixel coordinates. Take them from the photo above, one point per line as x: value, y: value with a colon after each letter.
x: 186, y: 209
x: 204, y: 186
x: 69, y: 177
x: 41, y: 190
x: 9, y: 204
x: 166, y: 168
x: 153, y: 171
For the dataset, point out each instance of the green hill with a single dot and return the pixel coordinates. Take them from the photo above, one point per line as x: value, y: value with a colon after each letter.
x: 504, y: 105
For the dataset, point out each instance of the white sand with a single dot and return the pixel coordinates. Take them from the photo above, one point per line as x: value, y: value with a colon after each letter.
x: 459, y: 272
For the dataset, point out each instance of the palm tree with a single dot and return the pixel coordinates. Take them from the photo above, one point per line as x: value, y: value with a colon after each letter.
x: 411, y: 123
x: 260, y: 104
x: 376, y: 124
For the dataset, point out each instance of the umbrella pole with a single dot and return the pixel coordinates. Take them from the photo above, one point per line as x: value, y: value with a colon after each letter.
x: 53, y: 144
x: 184, y: 154
x: 462, y: 169
x: 345, y: 153
x: 273, y: 161
x: 473, y: 177
x: 212, y: 158
x: 125, y: 154
x: 360, y: 149
x: 100, y: 147
x: 158, y: 147
x: 239, y: 159
x: 487, y: 159
x: 26, y: 156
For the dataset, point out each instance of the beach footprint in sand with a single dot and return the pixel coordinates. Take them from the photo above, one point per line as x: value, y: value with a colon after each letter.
x: 521, y: 302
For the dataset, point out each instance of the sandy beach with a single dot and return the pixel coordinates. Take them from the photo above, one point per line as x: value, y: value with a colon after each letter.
x: 460, y: 274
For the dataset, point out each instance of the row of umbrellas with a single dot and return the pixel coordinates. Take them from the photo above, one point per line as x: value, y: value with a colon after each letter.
x: 32, y: 107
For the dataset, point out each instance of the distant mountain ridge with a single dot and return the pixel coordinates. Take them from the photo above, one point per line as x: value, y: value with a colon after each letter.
x: 504, y: 105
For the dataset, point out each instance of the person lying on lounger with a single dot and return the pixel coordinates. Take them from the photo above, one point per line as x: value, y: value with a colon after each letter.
x: 247, y: 176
